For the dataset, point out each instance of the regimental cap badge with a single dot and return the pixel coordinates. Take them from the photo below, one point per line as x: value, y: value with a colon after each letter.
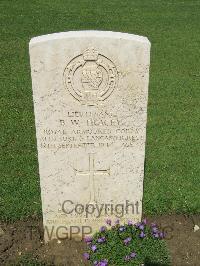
x: 90, y: 77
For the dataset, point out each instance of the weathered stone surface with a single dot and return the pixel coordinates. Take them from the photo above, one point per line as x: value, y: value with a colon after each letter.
x: 90, y: 92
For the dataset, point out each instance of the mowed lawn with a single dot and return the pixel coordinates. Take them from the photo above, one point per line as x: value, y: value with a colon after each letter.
x: 172, y: 168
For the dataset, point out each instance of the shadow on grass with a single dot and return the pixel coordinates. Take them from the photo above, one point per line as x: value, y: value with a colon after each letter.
x: 149, y: 263
x: 155, y: 264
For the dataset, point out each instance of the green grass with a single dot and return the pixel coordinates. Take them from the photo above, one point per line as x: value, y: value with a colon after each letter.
x: 172, y: 167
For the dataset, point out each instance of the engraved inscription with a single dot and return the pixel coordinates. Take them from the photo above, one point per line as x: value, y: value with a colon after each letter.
x: 92, y: 130
x: 90, y: 77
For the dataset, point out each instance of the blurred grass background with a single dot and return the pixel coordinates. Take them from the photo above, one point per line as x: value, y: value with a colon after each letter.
x: 172, y: 168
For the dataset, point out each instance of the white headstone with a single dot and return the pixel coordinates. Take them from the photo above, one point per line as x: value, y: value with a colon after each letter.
x: 90, y: 91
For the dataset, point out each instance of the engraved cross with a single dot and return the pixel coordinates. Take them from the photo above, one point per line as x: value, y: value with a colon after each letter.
x: 92, y: 172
